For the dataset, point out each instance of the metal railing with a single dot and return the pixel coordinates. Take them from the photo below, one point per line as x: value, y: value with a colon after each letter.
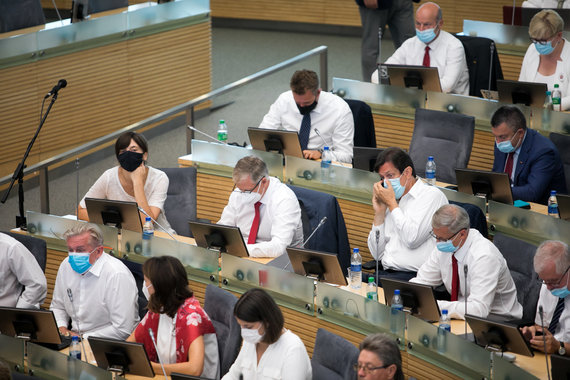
x: 188, y: 107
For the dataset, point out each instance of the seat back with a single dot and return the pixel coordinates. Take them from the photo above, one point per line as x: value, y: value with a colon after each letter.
x: 36, y: 246
x: 105, y: 5
x: 180, y: 204
x: 364, y: 158
x: 562, y: 143
x: 477, y: 218
x: 448, y: 137
x: 519, y: 255
x: 219, y: 305
x: 136, y: 270
x: 20, y: 14
x: 364, y: 134
x: 333, y: 357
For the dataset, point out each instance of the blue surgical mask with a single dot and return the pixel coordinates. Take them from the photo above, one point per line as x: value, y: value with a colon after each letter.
x: 562, y: 292
x: 446, y: 246
x: 397, y: 186
x: 506, y: 146
x: 79, y: 261
x: 426, y: 36
x: 545, y: 49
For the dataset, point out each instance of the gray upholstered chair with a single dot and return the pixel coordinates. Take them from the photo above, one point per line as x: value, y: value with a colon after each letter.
x: 333, y: 357
x: 219, y: 305
x: 180, y: 205
x: 519, y: 255
x: 562, y: 143
x: 20, y: 14
x: 448, y: 137
x: 36, y: 246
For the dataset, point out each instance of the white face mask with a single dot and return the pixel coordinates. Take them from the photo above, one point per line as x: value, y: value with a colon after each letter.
x: 250, y: 198
x: 145, y: 290
x: 251, y: 335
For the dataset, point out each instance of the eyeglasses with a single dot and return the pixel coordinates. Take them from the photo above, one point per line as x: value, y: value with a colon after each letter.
x: 439, y: 238
x: 248, y: 191
x: 540, y: 42
x: 552, y: 283
x: 368, y: 368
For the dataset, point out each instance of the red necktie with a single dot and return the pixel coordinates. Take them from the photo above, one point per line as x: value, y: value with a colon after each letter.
x: 426, y: 58
x: 454, y: 279
x: 509, y: 164
x: 254, y: 225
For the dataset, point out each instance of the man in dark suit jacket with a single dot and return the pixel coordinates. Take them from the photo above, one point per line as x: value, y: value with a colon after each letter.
x: 531, y: 159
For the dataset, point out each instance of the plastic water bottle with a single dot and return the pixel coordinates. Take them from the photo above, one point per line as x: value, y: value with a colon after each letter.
x: 556, y: 98
x: 548, y: 101
x: 222, y: 132
x: 553, y: 204
x: 325, y: 165
x: 75, y: 348
x: 430, y: 171
x: 546, y: 110
x: 371, y: 289
x: 397, y: 316
x: 444, y: 325
x: 148, y: 233
x: 355, y: 269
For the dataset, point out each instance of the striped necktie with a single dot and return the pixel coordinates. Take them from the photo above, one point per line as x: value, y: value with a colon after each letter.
x: 554, y: 322
x: 305, y: 131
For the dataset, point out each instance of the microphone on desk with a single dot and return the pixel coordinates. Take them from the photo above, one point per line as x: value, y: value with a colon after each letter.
x: 61, y: 84
x: 157, y: 354
x: 70, y: 296
x: 465, y: 296
x: 541, y: 313
x: 492, y: 47
x: 158, y: 224
x: 321, y: 222
x: 379, y: 57
x: 207, y: 135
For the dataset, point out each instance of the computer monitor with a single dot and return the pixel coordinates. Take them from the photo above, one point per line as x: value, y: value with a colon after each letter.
x: 420, y: 77
x: 560, y: 367
x: 273, y: 140
x: 417, y: 298
x: 498, y: 336
x: 364, y: 158
x: 321, y: 265
x: 121, y: 214
x: 563, y: 206
x: 79, y: 10
x: 180, y: 376
x: 491, y: 185
x: 121, y: 357
x: 39, y: 326
x: 526, y: 93
x: 222, y: 238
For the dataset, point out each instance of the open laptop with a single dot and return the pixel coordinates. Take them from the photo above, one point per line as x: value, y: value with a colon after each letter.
x: 322, y: 265
x: 420, y: 77
x: 219, y: 237
x: 120, y: 356
x: 560, y: 367
x: 491, y: 185
x: 563, y: 206
x: 121, y: 214
x: 418, y: 298
x: 277, y: 141
x: 516, y: 92
x: 499, y: 336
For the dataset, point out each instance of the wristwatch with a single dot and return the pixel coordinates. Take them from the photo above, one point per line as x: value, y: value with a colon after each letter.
x: 562, y: 349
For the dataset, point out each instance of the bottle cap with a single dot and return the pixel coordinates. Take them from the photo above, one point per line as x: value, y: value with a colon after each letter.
x: 430, y: 158
x: 396, y: 291
x: 75, y: 338
x: 548, y: 93
x: 326, y: 148
x: 556, y: 85
x: 355, y: 250
x: 222, y: 121
x: 147, y: 219
x: 552, y: 192
x: 370, y: 280
x: 444, y: 312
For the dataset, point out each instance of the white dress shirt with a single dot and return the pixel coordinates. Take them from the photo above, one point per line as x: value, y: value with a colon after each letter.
x: 544, y: 4
x: 548, y: 303
x: 404, y: 240
x: 22, y: 282
x: 490, y: 286
x: 104, y: 298
x: 529, y: 71
x: 446, y: 53
x: 332, y: 117
x: 285, y: 359
x: 280, y: 223
x: 108, y: 186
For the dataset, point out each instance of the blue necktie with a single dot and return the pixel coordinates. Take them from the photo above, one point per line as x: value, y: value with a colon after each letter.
x: 305, y: 131
x: 556, y: 316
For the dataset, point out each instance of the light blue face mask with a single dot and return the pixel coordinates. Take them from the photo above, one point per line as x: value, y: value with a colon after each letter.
x: 426, y: 35
x: 446, y: 246
x: 79, y: 261
x: 562, y: 292
x: 545, y: 49
x: 506, y: 146
x: 397, y: 186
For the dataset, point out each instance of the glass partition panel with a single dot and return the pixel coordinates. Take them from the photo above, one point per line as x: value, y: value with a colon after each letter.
x: 503, y: 370
x: 214, y: 158
x: 50, y: 364
x: 527, y: 225
x: 398, y: 99
x: 143, y: 15
x: 447, y: 350
x: 547, y: 121
x: 51, y: 228
x: 515, y: 35
x: 12, y: 352
x: 288, y: 289
x: 201, y: 264
x: 343, y: 182
x: 18, y: 49
x: 458, y: 196
x: 355, y: 312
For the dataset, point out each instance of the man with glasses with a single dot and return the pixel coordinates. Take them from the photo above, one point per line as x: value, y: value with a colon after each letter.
x: 470, y: 267
x: 530, y: 159
x: 551, y: 262
x: 379, y: 359
x: 266, y: 210
x: 434, y: 47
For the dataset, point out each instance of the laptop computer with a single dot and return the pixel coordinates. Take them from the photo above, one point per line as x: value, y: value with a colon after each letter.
x: 498, y: 335
x: 494, y: 186
x: 563, y: 206
x: 418, y: 298
x: 560, y: 367
x: 325, y: 266
x: 222, y: 238
x: 275, y: 140
x: 121, y: 214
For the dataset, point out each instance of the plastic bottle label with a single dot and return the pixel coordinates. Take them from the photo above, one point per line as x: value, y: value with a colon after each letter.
x: 553, y: 209
x: 430, y: 174
x: 222, y: 135
x: 356, y: 267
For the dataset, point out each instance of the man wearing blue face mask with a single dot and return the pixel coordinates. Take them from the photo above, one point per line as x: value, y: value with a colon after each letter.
x: 551, y: 262
x: 530, y: 159
x: 93, y: 289
x: 434, y: 47
x: 403, y: 207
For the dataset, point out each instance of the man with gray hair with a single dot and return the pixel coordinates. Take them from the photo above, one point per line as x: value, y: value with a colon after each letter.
x: 379, y: 359
x: 551, y: 262
x: 469, y: 266
x: 266, y: 211
x: 94, y: 289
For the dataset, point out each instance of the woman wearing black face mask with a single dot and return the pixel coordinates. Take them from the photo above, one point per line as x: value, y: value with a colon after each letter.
x: 132, y: 180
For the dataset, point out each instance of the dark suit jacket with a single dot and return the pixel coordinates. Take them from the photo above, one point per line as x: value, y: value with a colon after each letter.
x: 539, y: 169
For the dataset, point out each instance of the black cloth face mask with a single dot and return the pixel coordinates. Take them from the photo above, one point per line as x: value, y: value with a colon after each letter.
x: 130, y: 161
x: 307, y: 109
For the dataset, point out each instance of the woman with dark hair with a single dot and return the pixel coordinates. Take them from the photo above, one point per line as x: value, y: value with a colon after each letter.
x: 185, y: 336
x: 133, y: 180
x: 269, y: 351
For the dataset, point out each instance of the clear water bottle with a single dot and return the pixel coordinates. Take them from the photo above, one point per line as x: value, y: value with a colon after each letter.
x: 371, y: 290
x: 430, y: 171
x: 444, y: 328
x: 355, y: 269
x: 222, y: 132
x: 75, y: 348
x: 546, y: 110
x: 553, y: 204
x: 326, y: 165
x: 397, y: 316
x: 556, y: 98
x: 548, y: 101
x: 148, y: 233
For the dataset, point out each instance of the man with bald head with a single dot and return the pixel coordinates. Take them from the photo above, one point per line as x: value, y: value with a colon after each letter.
x: 434, y: 47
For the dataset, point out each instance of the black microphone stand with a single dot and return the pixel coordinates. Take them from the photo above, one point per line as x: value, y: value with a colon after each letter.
x: 19, y: 172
